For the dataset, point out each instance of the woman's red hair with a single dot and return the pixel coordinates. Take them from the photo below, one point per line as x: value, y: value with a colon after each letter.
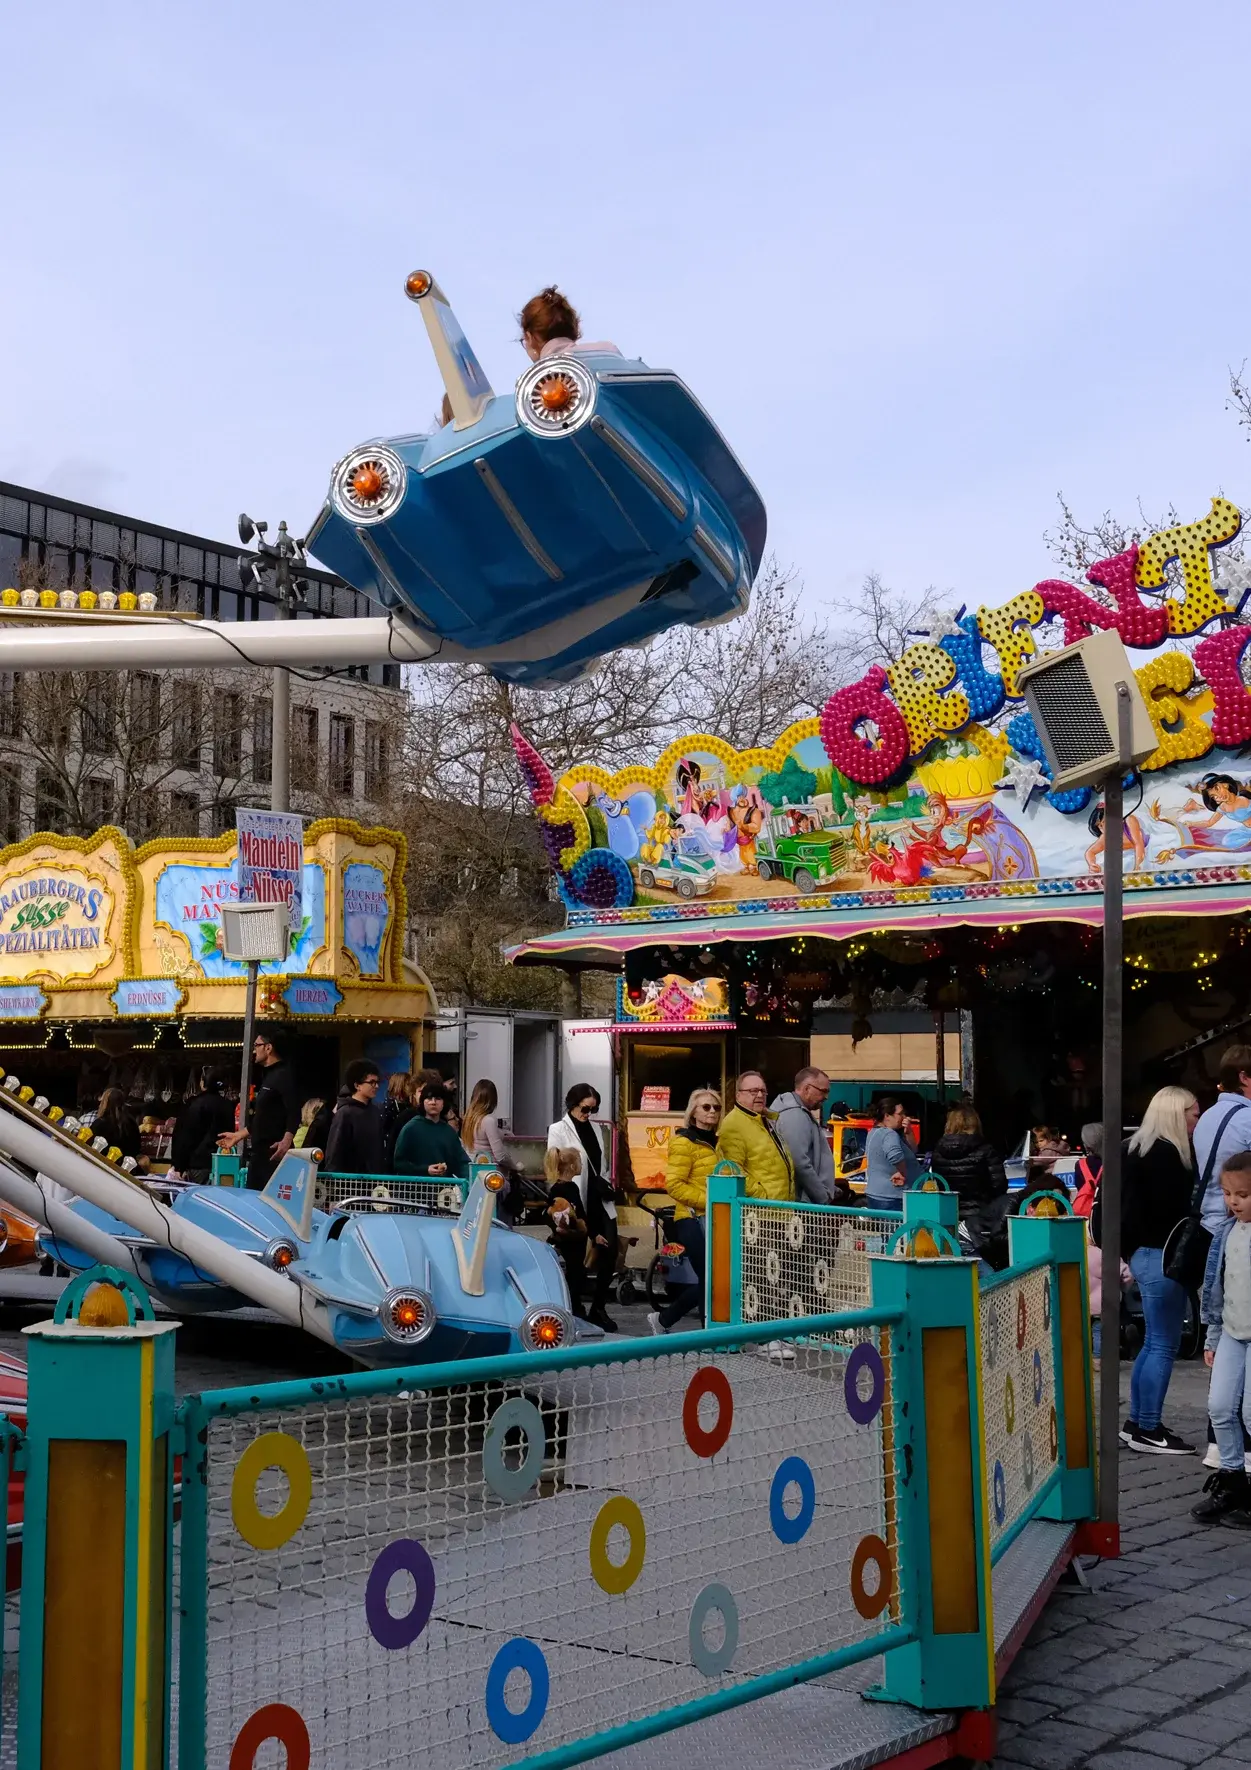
x: 549, y: 315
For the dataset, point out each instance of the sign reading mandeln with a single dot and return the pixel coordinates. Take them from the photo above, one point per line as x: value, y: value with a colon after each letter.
x: 271, y: 860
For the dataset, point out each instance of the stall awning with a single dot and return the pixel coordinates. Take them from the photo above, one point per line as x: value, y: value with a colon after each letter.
x: 603, y: 941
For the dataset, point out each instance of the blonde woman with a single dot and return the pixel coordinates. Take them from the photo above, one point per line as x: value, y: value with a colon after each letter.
x: 692, y: 1157
x: 1156, y: 1188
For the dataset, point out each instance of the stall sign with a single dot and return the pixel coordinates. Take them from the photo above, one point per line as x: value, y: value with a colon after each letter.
x: 312, y: 995
x: 271, y: 859
x: 654, y: 1100
x: 54, y: 919
x: 149, y: 996
x: 188, y: 899
x: 366, y: 915
x: 23, y: 1001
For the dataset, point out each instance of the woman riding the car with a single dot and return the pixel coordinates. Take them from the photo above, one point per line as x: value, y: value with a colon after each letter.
x: 550, y: 327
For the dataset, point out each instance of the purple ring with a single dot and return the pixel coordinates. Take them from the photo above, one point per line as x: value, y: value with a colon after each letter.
x: 864, y: 1358
x: 395, y: 1632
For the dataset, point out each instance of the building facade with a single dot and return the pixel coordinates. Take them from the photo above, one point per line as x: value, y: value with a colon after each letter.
x: 174, y: 753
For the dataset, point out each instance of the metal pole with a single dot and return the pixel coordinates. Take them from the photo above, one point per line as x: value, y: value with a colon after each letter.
x: 1110, y: 1177
x: 280, y: 736
x: 249, y: 1017
x: 940, y: 1048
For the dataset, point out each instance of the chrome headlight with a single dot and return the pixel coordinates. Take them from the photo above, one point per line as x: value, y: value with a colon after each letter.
x: 556, y: 397
x: 407, y: 1317
x: 280, y: 1253
x: 545, y: 1328
x: 369, y: 484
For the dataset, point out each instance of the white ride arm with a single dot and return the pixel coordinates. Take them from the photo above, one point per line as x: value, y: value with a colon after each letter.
x: 35, y: 1201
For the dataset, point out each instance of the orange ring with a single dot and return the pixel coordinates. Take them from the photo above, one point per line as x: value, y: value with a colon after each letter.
x: 871, y: 1604
x: 274, y: 1721
x: 708, y: 1380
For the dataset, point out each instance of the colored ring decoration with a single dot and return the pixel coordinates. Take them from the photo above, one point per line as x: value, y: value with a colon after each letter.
x: 821, y: 1277
x: 751, y: 1228
x: 405, y: 1555
x: 708, y: 1380
x: 513, y: 1484
x: 792, y: 1470
x: 871, y: 1604
x: 1022, y: 1320
x: 992, y: 1338
x: 865, y: 1357
x: 1009, y: 1404
x: 272, y: 1450
x: 1038, y: 1378
x: 1046, y: 1290
x: 1027, y: 1463
x: 1053, y: 1435
x: 274, y: 1721
x: 712, y: 1661
x: 608, y: 1576
x: 795, y: 1229
x: 751, y: 1302
x: 796, y: 1308
x: 1000, y: 1488
x: 773, y: 1266
x: 515, y: 1725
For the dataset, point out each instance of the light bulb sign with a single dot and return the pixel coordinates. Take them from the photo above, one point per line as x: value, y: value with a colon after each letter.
x: 271, y: 860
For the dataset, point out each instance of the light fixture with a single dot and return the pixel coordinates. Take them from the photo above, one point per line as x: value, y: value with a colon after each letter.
x: 254, y: 933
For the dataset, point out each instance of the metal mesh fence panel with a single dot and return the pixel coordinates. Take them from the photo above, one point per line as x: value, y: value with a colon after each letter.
x: 374, y: 1190
x: 1018, y: 1395
x: 802, y: 1260
x: 477, y: 1575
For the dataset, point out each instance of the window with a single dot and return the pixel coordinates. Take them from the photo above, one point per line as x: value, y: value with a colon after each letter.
x: 96, y: 799
x: 223, y: 816
x: 186, y: 729
x: 263, y: 740
x: 184, y: 814
x: 145, y: 708
x: 377, y: 760
x: 50, y: 808
x: 10, y: 804
x: 99, y: 713
x: 227, y: 733
x: 342, y: 753
x: 10, y: 704
x: 146, y: 815
x: 304, y: 746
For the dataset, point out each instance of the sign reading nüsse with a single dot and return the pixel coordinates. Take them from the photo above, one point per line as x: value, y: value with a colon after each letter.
x: 271, y: 860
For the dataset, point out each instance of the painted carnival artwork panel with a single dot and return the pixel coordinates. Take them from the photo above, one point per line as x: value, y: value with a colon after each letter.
x: 929, y: 774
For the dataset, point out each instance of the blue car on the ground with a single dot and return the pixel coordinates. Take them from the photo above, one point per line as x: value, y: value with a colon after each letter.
x: 592, y: 506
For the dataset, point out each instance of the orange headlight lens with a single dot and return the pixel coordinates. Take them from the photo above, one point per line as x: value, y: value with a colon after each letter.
x: 493, y: 1182
x: 368, y: 483
x: 557, y: 393
x: 418, y: 283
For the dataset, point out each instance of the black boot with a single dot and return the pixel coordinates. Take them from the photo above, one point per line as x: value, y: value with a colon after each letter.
x: 1228, y: 1490
x: 601, y: 1318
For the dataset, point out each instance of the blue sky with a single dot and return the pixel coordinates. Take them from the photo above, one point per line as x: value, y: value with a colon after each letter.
x: 926, y: 264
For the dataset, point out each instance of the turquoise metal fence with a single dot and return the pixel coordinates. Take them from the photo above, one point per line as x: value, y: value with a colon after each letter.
x: 530, y: 1562
x: 1018, y: 1314
x: 375, y: 1191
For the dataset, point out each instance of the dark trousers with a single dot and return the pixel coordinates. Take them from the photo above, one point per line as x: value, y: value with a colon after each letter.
x: 685, y: 1297
x: 605, y: 1268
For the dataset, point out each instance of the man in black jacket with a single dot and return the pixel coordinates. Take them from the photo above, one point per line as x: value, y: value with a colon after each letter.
x: 357, y: 1131
x: 274, y: 1116
x: 200, y: 1123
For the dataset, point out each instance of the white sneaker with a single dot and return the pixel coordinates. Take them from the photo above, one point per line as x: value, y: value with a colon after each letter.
x: 654, y: 1323
x: 776, y: 1349
x: 1212, y: 1457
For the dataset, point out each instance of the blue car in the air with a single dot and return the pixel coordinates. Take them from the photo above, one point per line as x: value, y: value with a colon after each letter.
x: 592, y: 506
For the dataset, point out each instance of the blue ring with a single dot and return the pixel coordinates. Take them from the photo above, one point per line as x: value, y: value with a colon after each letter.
x: 514, y: 1727
x: 1001, y: 1494
x: 1038, y: 1378
x: 791, y: 1530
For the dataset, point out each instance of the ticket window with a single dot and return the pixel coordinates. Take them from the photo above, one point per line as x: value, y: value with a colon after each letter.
x: 653, y: 1065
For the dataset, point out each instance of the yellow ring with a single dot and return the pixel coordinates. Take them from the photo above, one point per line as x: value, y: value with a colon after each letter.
x: 606, y: 1574
x: 1009, y: 1405
x: 272, y: 1450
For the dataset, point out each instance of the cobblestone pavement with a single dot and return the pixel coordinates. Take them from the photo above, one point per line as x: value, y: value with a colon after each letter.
x: 1150, y: 1669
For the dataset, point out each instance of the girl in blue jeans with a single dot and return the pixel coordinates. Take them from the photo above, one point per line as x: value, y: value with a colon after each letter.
x: 1227, y: 1312
x: 1158, y: 1181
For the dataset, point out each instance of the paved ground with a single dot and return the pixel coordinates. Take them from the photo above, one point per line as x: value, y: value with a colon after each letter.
x: 1150, y: 1669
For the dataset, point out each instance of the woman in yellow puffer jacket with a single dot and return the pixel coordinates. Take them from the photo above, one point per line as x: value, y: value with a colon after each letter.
x: 692, y: 1157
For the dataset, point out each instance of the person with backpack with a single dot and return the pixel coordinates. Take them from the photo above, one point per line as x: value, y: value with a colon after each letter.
x: 1223, y: 1131
x: 1089, y: 1168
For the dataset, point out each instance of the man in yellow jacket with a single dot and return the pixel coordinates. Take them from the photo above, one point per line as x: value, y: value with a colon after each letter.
x: 748, y: 1137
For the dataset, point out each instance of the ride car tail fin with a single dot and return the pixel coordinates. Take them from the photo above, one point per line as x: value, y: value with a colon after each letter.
x: 468, y: 389
x: 290, y: 1191
x: 473, y: 1230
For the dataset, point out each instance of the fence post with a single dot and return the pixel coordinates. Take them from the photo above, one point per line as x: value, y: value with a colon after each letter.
x: 1063, y: 1241
x: 724, y: 1264
x: 932, y: 1207
x: 943, y: 1526
x: 96, y: 1568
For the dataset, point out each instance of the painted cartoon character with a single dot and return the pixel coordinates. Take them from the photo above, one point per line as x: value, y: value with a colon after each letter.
x: 627, y: 820
x: 1229, y: 801
x: 1133, y: 841
x: 747, y: 813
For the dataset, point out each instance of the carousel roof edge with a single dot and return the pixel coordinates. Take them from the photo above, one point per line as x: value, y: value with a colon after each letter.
x: 600, y: 943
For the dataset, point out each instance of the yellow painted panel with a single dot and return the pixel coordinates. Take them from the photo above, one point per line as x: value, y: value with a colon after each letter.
x: 1073, y: 1357
x: 949, y: 1449
x: 83, y: 1624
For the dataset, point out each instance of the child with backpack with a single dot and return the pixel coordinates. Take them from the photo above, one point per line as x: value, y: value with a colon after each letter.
x: 1227, y: 1312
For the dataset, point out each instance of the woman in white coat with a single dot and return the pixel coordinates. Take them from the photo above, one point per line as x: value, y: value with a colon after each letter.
x: 575, y: 1131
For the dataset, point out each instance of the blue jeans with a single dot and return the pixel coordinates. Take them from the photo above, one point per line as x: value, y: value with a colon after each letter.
x: 685, y: 1297
x: 1164, y: 1309
x: 1229, y: 1396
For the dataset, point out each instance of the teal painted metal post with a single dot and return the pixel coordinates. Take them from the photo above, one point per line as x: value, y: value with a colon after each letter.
x: 943, y: 1529
x: 931, y: 1208
x: 97, y: 1563
x: 723, y: 1266
x: 1063, y: 1241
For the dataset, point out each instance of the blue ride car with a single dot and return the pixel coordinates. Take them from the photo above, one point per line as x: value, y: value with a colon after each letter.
x: 592, y: 506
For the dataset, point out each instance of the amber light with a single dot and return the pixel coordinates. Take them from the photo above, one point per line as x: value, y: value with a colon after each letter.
x: 368, y: 483
x: 557, y: 393
x: 417, y: 284
x: 282, y: 1256
x: 493, y: 1182
x: 548, y: 1330
x: 407, y: 1315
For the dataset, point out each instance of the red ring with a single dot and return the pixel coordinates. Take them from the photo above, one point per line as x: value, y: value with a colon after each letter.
x: 869, y: 1604
x: 708, y: 1380
x: 274, y: 1721
x: 1022, y: 1320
